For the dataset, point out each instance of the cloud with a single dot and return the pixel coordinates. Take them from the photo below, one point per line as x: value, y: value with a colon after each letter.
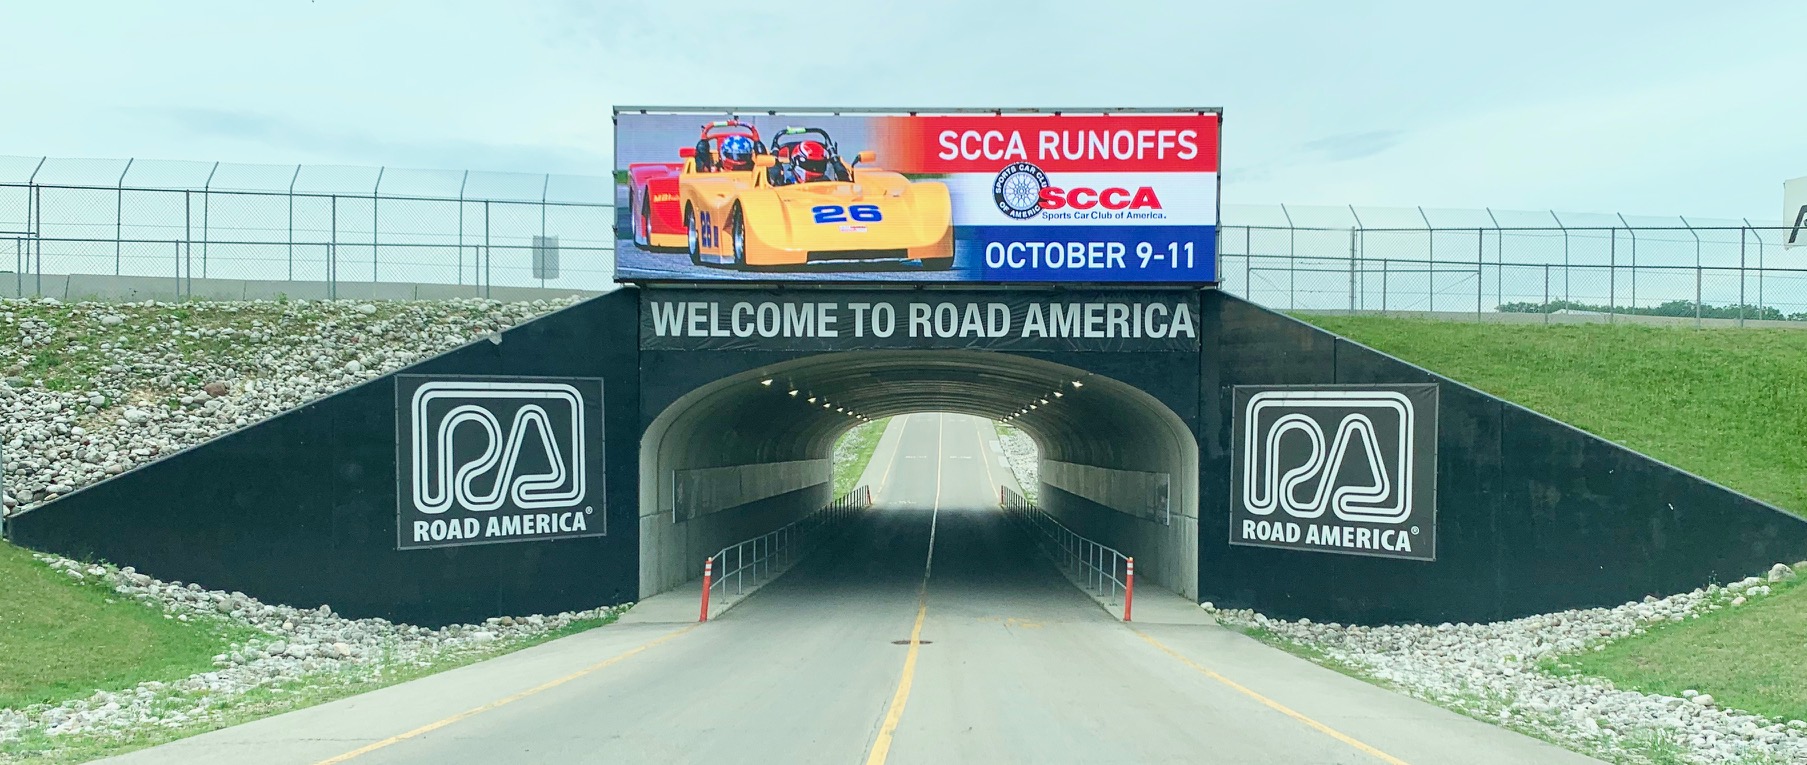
x: 1347, y: 146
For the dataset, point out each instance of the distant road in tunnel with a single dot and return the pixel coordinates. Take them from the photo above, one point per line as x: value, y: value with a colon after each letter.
x: 1015, y: 665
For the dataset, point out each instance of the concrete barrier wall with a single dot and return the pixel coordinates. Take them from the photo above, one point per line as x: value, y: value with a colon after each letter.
x: 701, y: 491
x: 1165, y: 551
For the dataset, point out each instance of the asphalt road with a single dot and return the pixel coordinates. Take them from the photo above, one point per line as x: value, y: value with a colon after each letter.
x: 1012, y: 665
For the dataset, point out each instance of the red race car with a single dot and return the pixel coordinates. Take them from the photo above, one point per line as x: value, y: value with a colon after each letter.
x: 657, y: 215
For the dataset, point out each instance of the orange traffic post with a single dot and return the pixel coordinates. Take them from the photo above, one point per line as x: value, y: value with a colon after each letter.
x: 1129, y: 586
x: 708, y: 574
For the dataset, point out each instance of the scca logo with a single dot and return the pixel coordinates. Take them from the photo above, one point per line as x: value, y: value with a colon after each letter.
x: 1023, y: 191
x: 1082, y: 198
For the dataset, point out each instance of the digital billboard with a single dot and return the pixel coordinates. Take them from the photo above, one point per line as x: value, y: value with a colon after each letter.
x: 1127, y: 196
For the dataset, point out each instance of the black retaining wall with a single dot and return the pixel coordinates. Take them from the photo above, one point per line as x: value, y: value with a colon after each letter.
x: 300, y: 509
x: 1533, y: 515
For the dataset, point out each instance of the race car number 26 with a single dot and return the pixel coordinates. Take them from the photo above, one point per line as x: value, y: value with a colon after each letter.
x: 839, y: 214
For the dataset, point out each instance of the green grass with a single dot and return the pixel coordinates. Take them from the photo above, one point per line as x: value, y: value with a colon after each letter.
x: 1745, y: 656
x: 265, y: 701
x: 62, y: 639
x: 857, y: 444
x: 1725, y: 404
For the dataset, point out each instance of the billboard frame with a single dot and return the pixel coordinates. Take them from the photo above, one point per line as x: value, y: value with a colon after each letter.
x: 734, y: 111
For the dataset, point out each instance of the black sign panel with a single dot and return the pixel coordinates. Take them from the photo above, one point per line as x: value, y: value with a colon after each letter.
x: 481, y: 460
x: 1339, y: 469
x: 843, y: 320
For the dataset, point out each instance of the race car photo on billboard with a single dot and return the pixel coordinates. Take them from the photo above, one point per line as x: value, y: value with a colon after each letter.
x: 1122, y: 196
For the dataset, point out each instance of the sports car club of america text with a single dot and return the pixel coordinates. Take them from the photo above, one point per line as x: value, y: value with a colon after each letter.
x: 1121, y: 197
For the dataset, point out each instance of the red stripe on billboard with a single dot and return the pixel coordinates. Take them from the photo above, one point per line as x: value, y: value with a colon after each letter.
x: 1088, y: 143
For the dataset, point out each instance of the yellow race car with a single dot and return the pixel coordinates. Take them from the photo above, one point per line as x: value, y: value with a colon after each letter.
x: 800, y: 204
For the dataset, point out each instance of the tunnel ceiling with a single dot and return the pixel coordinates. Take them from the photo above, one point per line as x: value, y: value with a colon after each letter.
x: 754, y: 416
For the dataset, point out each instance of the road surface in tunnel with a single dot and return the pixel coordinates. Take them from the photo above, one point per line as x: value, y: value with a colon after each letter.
x: 1015, y: 665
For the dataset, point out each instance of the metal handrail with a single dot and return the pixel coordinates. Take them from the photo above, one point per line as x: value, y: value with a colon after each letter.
x: 766, y: 556
x: 1099, y: 568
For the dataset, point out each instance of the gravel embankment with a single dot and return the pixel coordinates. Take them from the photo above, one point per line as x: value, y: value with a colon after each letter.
x: 95, y: 389
x: 1491, y: 671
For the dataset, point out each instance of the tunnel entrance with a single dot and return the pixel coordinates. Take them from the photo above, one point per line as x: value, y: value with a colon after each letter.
x: 745, y: 445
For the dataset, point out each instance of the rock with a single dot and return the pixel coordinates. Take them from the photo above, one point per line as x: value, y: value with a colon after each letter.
x: 1738, y: 601
x: 215, y: 389
x: 136, y: 416
x: 366, y: 309
x: 342, y: 650
x: 17, y: 382
x: 1703, y: 699
x: 353, y: 367
x: 1690, y: 693
x: 277, y: 648
x: 1780, y: 572
x: 112, y: 320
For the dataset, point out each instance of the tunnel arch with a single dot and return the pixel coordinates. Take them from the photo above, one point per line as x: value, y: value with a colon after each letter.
x: 743, y: 454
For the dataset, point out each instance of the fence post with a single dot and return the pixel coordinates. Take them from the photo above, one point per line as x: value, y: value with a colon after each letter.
x: 206, y: 223
x: 1352, y: 270
x: 1761, y: 246
x: 292, y: 180
x: 1633, y: 233
x: 374, y: 192
x: 1480, y: 253
x: 1292, y: 260
x: 1499, y: 260
x: 188, y: 243
x: 1546, y: 293
x: 332, y: 254
x: 1697, y: 269
x: 1741, y: 275
x: 1430, y: 258
x: 119, y: 214
x: 1612, y: 274
x: 1565, y: 257
x: 461, y: 185
x: 486, y: 252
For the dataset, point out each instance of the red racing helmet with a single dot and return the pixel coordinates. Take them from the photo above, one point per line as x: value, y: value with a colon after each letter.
x: 810, y: 158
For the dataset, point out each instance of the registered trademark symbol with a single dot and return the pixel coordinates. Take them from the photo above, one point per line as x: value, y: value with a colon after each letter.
x: 589, y: 510
x: 1414, y: 530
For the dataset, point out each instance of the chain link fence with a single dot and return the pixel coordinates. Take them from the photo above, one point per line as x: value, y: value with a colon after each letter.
x: 1492, y: 265
x: 328, y: 225
x: 338, y: 228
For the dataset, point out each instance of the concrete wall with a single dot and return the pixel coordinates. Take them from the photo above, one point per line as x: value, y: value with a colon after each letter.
x: 1131, y: 511
x: 699, y: 511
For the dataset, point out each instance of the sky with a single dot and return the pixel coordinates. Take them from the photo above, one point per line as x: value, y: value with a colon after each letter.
x: 1647, y: 108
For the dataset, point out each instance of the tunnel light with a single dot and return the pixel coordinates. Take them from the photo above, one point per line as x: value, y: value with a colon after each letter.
x: 1058, y: 394
x: 812, y: 399
x: 767, y: 382
x: 1044, y: 401
x: 826, y: 405
x: 793, y: 394
x: 1032, y: 406
x: 1077, y: 384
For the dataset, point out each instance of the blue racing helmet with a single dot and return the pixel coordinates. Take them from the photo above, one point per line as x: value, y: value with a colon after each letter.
x: 737, y: 153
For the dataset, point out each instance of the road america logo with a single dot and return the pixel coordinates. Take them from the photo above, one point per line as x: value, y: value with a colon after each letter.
x: 1348, y: 470
x: 1018, y: 190
x: 496, y: 460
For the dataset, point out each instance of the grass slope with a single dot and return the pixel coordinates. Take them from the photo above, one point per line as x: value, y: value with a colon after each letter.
x: 1744, y: 656
x: 60, y: 639
x: 853, y: 452
x: 1725, y: 404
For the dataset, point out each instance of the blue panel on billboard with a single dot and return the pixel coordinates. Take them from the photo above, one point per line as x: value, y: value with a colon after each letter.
x: 1144, y: 254
x: 1126, y: 197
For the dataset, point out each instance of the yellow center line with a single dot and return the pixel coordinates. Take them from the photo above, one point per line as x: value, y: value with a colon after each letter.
x: 473, y: 712
x: 881, y: 745
x: 1274, y: 705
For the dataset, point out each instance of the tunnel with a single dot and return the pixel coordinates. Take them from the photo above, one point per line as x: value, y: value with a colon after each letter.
x: 752, y: 451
